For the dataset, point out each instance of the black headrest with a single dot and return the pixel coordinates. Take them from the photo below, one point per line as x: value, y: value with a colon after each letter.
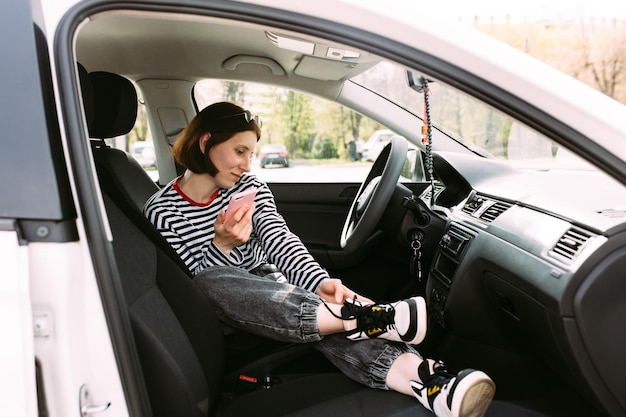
x: 87, y: 93
x: 115, y: 105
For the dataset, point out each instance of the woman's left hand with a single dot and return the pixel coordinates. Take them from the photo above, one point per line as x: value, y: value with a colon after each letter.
x: 332, y: 290
x: 235, y: 231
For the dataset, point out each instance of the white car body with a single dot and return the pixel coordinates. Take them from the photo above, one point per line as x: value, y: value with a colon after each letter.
x: 64, y: 325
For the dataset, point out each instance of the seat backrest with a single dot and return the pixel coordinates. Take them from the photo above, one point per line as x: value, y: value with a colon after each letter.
x: 179, y: 338
x: 114, y: 114
x: 121, y: 177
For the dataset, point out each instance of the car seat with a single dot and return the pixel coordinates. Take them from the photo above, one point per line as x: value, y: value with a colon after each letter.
x: 111, y: 109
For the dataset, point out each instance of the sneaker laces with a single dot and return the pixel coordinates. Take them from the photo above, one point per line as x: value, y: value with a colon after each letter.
x: 440, y: 376
x: 371, y: 316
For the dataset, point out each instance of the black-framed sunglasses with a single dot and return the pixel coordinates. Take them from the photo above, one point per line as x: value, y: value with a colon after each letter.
x: 247, y: 116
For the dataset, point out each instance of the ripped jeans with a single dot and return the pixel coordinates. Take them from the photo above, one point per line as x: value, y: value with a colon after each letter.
x: 287, y: 313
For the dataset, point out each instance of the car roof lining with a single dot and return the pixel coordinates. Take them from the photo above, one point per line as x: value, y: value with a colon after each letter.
x: 196, y: 47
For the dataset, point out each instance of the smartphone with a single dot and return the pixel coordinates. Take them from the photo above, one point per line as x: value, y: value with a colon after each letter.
x: 240, y: 199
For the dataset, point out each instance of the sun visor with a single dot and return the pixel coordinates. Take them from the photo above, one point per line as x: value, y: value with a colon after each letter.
x: 324, y: 69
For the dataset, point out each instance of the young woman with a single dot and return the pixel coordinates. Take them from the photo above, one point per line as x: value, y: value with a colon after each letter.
x: 261, y: 278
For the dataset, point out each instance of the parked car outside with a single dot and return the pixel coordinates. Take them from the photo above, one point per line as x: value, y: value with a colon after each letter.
x: 273, y: 155
x: 143, y: 152
x: 375, y: 144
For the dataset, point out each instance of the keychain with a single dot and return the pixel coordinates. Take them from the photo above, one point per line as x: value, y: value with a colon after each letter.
x: 415, y: 267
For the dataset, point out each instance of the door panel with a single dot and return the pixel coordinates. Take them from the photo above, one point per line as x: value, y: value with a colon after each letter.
x: 316, y: 213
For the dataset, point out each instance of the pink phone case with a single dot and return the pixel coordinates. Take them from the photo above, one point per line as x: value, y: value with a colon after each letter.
x: 238, y: 200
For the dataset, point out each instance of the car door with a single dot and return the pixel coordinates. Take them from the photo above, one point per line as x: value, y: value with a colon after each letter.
x: 56, y: 356
x: 34, y: 217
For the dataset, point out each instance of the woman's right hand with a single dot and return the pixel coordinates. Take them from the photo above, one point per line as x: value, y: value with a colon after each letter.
x: 234, y: 232
x: 332, y: 290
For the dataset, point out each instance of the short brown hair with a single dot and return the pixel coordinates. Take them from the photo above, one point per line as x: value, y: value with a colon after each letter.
x: 214, y: 119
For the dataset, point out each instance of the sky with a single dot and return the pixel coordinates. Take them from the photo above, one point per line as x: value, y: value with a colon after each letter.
x: 465, y: 9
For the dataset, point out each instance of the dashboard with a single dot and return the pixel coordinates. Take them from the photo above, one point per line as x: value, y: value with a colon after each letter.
x: 532, y: 258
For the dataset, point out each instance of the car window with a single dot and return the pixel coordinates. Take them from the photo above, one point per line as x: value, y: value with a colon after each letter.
x: 471, y: 122
x: 304, y: 138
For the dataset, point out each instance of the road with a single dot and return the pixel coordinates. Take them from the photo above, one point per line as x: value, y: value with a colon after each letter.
x: 301, y: 172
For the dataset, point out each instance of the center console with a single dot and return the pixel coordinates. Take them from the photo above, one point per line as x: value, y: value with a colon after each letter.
x: 452, y: 247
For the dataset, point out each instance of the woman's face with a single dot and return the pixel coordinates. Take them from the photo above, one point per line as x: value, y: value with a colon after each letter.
x: 232, y: 158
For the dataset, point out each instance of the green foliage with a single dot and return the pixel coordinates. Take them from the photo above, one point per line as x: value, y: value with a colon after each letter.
x: 140, y: 131
x: 233, y: 91
x: 310, y: 127
x: 326, y: 149
x: 294, y: 123
x: 315, y: 128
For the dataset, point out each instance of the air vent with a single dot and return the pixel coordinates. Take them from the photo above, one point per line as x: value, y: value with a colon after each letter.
x: 469, y: 209
x: 494, y: 210
x: 427, y: 195
x: 570, y: 244
x: 484, y: 208
x: 473, y: 204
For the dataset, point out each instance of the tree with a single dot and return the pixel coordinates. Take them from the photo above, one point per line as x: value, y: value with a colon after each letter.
x: 355, y: 124
x: 234, y: 91
x: 297, y: 118
x: 592, y: 51
x: 603, y: 56
x: 140, y: 130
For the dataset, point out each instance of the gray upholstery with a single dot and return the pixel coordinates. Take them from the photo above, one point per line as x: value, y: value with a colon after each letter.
x: 131, y: 181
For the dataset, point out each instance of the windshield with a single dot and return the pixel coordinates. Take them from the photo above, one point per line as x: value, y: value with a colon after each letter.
x: 472, y: 123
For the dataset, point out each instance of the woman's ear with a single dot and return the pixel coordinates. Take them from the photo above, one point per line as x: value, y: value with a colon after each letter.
x: 203, y: 140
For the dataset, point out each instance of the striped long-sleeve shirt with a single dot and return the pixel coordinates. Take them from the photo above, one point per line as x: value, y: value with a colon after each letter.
x: 188, y: 228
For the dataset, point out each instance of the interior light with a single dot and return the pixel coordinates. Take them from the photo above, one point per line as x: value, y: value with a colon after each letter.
x: 343, y: 54
x: 292, y: 44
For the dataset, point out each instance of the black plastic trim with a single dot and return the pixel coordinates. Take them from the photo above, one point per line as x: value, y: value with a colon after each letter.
x: 35, y: 182
x: 48, y: 230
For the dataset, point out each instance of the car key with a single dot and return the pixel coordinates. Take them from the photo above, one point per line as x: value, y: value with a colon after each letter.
x: 415, y: 266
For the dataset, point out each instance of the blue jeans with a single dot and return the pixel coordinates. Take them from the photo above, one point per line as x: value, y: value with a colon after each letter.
x: 287, y: 313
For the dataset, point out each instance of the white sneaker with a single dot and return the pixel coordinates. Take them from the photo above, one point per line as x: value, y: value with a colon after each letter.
x: 465, y: 394
x: 404, y: 321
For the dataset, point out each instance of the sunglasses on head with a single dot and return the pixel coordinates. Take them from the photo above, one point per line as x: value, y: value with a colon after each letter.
x: 247, y: 116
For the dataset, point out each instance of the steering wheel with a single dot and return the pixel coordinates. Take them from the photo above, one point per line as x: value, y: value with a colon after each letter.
x: 374, y: 194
